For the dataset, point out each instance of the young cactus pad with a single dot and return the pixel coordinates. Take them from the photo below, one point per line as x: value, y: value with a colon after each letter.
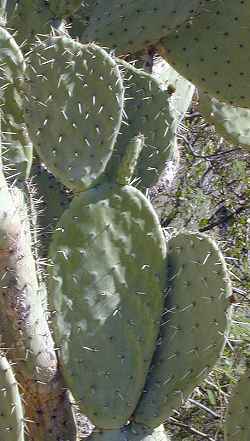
x: 106, y: 286
x: 193, y: 327
x: 212, y: 50
x: 11, y: 415
x: 237, y: 425
x: 132, y: 25
x: 73, y: 114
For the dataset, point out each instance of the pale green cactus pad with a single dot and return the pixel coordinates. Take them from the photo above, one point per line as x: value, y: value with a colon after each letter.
x: 232, y: 123
x: 106, y: 286
x: 131, y: 432
x: 17, y: 152
x: 11, y: 415
x: 212, y: 51
x: 237, y: 426
x: 133, y: 25
x: 180, y: 90
x: 193, y: 328
x: 73, y: 115
x: 148, y: 113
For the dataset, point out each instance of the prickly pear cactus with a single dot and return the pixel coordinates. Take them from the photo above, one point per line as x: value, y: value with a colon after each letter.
x: 210, y: 50
x: 131, y: 26
x: 193, y: 328
x: 233, y: 123
x: 75, y: 131
x: 131, y: 432
x: 11, y: 416
x: 147, y: 111
x: 106, y: 286
x: 237, y: 422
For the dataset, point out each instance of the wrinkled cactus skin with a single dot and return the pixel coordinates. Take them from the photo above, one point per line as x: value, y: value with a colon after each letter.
x: 119, y: 321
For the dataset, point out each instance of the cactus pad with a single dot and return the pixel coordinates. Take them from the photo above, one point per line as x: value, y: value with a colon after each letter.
x: 106, y: 288
x: 237, y: 425
x: 131, y: 432
x: 73, y: 115
x: 131, y: 26
x: 148, y: 112
x: 193, y: 327
x: 11, y: 415
x: 233, y: 123
x: 15, y: 140
x: 212, y: 51
x: 180, y: 90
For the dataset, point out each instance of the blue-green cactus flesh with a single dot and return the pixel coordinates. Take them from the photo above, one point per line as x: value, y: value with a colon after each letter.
x: 105, y: 285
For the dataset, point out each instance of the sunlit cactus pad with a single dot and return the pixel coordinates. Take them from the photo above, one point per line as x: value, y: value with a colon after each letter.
x: 233, y: 123
x: 193, y: 327
x: 131, y: 432
x: 74, y: 108
x: 11, y: 415
x: 237, y: 425
x: 106, y: 285
x: 133, y: 25
x: 212, y: 50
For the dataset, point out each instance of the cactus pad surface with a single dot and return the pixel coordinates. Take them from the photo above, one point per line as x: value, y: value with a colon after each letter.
x: 233, y: 123
x: 237, y: 425
x: 212, y: 51
x: 106, y: 288
x: 11, y: 416
x: 148, y: 113
x: 193, y: 327
x: 131, y: 26
x: 74, y: 115
x: 131, y: 432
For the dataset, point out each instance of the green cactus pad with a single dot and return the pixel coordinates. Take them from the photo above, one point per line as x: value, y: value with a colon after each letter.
x: 17, y: 152
x: 193, y: 326
x: 131, y: 432
x: 148, y: 113
x: 233, y: 123
x: 180, y: 90
x: 237, y: 426
x: 212, y: 51
x: 63, y: 8
x: 129, y: 161
x: 132, y: 25
x: 73, y: 114
x: 11, y: 415
x: 106, y: 289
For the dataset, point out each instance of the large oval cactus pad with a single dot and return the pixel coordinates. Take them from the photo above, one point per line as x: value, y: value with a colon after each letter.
x: 106, y: 287
x: 132, y: 25
x: 212, y: 50
x: 11, y: 415
x: 237, y: 425
x: 193, y: 328
x: 74, y: 109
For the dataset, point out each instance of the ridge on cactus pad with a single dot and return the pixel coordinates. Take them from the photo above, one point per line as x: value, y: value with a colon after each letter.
x: 73, y: 114
x: 193, y: 328
x: 106, y: 287
x: 211, y: 50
